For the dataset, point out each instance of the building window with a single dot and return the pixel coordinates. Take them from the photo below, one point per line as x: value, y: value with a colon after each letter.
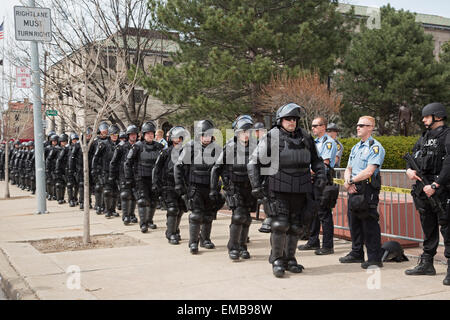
x: 167, y: 63
x: 138, y: 96
x: 110, y: 62
x: 17, y: 117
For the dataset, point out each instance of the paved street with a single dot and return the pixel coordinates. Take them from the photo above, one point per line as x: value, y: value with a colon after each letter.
x: 157, y: 270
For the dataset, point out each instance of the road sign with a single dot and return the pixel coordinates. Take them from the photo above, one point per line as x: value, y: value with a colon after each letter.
x: 23, y: 78
x: 51, y: 112
x: 32, y: 24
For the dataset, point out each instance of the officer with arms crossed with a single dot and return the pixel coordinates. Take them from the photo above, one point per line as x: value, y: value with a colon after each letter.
x: 363, y: 184
x: 326, y: 147
x: 432, y: 155
x: 288, y: 184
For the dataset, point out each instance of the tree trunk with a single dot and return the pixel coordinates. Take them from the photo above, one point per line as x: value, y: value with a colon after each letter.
x: 7, y: 193
x: 86, y: 224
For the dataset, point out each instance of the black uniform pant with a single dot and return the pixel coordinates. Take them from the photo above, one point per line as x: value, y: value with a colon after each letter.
x: 430, y: 220
x: 288, y: 219
x: 203, y: 213
x: 324, y: 217
x: 110, y: 195
x: 60, y: 187
x: 365, y: 228
x: 175, y: 209
x: 146, y: 200
x: 241, y: 202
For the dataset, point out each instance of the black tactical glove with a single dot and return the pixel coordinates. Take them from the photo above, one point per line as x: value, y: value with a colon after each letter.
x: 258, y: 193
x: 320, y: 182
x: 180, y: 189
x: 129, y: 184
x: 214, y: 195
x: 155, y: 190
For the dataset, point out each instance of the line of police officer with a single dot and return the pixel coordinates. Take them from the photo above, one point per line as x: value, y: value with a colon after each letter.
x: 287, y: 170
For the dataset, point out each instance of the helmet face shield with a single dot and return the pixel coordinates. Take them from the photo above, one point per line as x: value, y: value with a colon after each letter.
x: 149, y: 126
x: 434, y: 109
x: 132, y: 129
x: 103, y: 126
x: 287, y: 111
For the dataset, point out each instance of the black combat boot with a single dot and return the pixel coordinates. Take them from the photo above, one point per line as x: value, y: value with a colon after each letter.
x: 446, y: 280
x: 60, y: 195
x: 143, y: 218
x: 151, y: 214
x: 266, y: 225
x: 233, y: 242
x: 194, y: 230
x: 171, y: 229
x: 243, y: 252
x: 125, y: 213
x: 205, y: 240
x: 291, y: 262
x: 277, y: 241
x: 425, y: 267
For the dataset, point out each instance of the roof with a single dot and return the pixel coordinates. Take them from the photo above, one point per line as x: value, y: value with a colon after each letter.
x: 424, y: 19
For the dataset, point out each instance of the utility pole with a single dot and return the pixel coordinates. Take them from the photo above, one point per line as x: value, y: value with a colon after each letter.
x: 38, y: 129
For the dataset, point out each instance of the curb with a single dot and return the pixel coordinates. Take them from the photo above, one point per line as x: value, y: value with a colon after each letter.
x: 14, y: 286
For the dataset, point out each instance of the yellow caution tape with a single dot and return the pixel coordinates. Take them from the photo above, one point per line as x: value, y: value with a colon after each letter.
x: 383, y: 188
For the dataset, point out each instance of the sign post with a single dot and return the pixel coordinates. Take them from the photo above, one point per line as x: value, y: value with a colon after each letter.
x: 34, y: 24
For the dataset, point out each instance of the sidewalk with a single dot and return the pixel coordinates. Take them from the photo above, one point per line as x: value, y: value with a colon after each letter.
x: 158, y: 270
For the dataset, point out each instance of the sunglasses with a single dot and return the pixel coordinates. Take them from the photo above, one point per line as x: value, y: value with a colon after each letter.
x: 290, y: 118
x: 316, y: 125
x: 361, y: 125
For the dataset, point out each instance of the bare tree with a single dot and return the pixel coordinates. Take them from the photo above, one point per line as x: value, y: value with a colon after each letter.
x: 14, y: 122
x: 305, y: 89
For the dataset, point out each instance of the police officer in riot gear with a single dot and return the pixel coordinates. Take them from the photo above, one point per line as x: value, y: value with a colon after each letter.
x: 326, y: 148
x: 30, y: 168
x: 76, y: 167
x: 231, y: 166
x: 60, y: 167
x: 432, y: 155
x: 102, y: 159
x: 50, y: 162
x: 116, y: 171
x: 192, y: 173
x: 123, y: 136
x: 138, y: 171
x: 2, y: 162
x: 12, y: 160
x: 20, y: 165
x: 72, y: 186
x: 164, y: 183
x: 96, y: 170
x: 291, y: 157
x: 363, y: 184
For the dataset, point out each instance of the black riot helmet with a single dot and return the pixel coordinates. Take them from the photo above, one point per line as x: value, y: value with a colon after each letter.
x: 114, y: 129
x: 54, y: 137
x: 132, y: 129
x: 73, y: 136
x: 258, y: 126
x: 244, y: 116
x: 243, y: 124
x: 50, y: 134
x: 288, y: 110
x: 202, y: 126
x: 17, y: 143
x: 393, y: 251
x: 123, y: 135
x: 434, y: 109
x: 148, y: 126
x: 89, y: 130
x: 63, y: 138
x: 103, y: 126
x: 30, y: 144
x: 176, y: 132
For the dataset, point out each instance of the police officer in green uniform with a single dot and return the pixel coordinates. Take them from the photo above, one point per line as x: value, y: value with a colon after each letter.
x: 432, y: 155
x: 363, y: 184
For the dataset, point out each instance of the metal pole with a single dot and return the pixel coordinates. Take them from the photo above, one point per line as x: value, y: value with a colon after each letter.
x: 38, y: 129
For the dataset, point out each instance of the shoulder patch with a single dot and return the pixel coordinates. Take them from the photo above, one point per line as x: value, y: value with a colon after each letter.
x: 338, y: 147
x: 376, y: 149
x: 329, y: 145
